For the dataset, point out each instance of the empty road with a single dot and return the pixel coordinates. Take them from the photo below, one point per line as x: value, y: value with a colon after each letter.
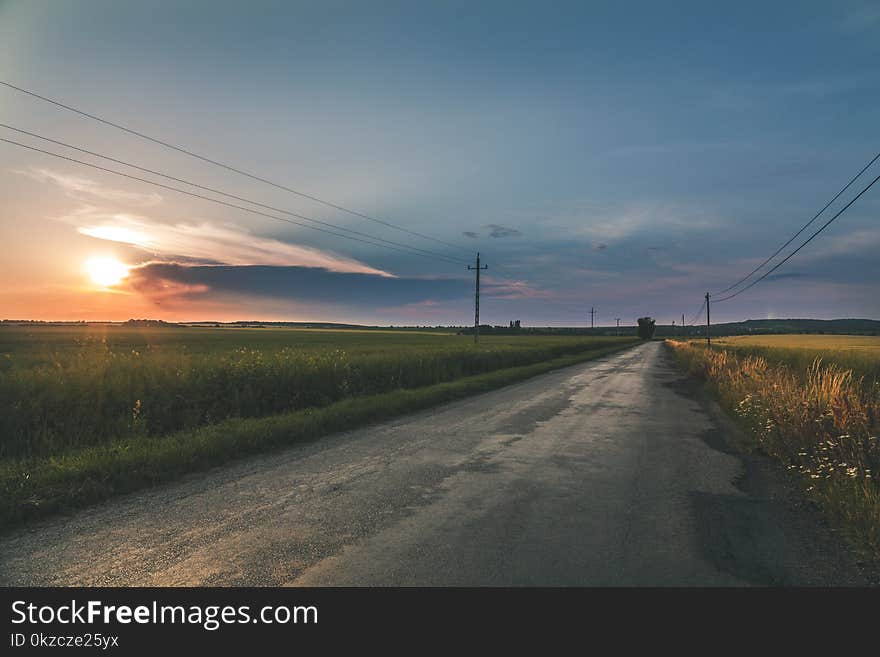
x: 612, y: 472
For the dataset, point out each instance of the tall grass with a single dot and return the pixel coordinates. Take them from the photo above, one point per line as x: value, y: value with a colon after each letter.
x: 859, y: 355
x: 818, y: 419
x: 35, y: 485
x: 57, y: 394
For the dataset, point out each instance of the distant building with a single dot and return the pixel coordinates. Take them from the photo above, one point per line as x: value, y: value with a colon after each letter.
x: 514, y: 323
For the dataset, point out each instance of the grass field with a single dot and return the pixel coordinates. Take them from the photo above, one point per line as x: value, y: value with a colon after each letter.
x: 858, y: 353
x: 89, y: 411
x: 812, y: 402
x: 863, y: 343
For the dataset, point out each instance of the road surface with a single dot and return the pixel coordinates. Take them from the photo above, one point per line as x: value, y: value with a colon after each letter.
x: 611, y: 472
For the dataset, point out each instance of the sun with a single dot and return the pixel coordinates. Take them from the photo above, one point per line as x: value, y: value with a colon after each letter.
x: 106, y: 272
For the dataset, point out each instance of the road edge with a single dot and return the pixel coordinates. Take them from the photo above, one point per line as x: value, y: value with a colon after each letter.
x: 765, y: 476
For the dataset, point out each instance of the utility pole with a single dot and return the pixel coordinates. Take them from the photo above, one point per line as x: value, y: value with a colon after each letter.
x: 592, y: 315
x: 477, y: 299
x: 683, y: 329
x: 618, y: 325
x: 673, y: 328
x: 708, y: 324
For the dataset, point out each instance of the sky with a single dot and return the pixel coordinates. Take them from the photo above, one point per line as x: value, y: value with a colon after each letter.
x: 624, y: 156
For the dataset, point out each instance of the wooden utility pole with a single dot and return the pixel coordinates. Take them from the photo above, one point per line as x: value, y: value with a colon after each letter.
x: 477, y: 299
x: 592, y: 316
x: 618, y: 325
x: 708, y: 323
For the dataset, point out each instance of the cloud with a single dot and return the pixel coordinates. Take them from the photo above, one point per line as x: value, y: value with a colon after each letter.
x: 158, y: 288
x: 607, y: 223
x: 494, y: 230
x: 857, y: 241
x: 498, y: 231
x: 208, y: 243
x: 514, y: 289
x: 160, y: 281
x: 422, y: 311
x: 86, y: 189
x: 866, y: 17
x: 785, y: 275
x: 673, y: 148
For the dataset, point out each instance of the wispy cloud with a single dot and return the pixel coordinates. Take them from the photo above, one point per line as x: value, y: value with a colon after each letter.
x: 676, y: 147
x: 858, y: 241
x: 498, y: 231
x: 515, y: 289
x: 495, y: 231
x: 785, y: 276
x: 603, y: 224
x: 862, y: 18
x: 739, y: 96
x: 87, y: 189
x: 209, y: 243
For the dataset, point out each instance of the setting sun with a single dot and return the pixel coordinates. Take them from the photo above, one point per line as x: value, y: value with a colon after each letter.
x: 106, y: 272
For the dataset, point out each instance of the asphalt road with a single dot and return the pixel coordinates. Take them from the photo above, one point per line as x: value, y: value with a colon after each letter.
x: 613, y: 472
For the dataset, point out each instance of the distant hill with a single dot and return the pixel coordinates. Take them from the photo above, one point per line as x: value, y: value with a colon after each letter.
x: 748, y: 327
x: 767, y: 326
x: 148, y: 322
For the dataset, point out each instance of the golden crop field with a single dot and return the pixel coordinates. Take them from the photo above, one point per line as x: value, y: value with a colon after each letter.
x: 867, y: 343
x: 859, y: 354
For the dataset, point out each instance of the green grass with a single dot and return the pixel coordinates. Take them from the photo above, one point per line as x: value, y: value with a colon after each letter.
x: 75, y: 392
x: 69, y: 387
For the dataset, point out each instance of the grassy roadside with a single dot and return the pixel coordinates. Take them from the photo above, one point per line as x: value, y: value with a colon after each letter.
x: 818, y: 421
x: 75, y: 478
x: 74, y: 388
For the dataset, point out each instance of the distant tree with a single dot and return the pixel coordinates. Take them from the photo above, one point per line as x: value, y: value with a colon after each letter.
x: 646, y: 328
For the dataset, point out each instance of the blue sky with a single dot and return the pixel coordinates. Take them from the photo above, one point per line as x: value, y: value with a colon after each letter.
x: 627, y: 156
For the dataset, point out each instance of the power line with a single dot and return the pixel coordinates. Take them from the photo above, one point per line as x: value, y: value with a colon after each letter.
x: 215, y: 200
x: 233, y: 196
x: 698, y: 314
x: 807, y: 225
x: 807, y: 241
x: 229, y: 167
